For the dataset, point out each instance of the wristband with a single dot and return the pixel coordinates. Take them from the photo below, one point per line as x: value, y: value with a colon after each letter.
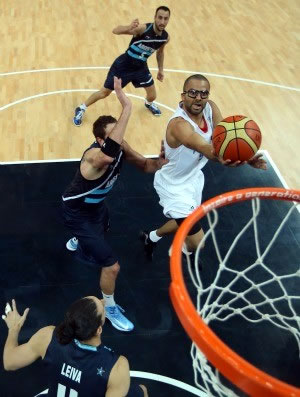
x: 110, y: 147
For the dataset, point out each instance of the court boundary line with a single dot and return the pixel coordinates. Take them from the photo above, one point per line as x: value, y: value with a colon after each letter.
x: 263, y: 151
x: 26, y: 99
x: 148, y: 156
x: 159, y: 378
x: 224, y: 76
x: 275, y: 168
x: 151, y: 156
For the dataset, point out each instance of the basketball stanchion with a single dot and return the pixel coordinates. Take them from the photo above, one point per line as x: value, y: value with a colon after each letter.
x: 236, y: 294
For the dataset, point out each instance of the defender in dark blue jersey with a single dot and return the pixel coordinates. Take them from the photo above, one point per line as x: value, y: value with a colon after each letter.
x: 76, y: 361
x: 132, y: 66
x: 84, y: 210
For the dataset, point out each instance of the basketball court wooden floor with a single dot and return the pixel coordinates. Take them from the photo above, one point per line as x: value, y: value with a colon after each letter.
x: 39, y: 273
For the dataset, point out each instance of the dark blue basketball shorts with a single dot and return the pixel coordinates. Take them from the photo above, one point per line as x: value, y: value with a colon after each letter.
x: 130, y: 71
x: 89, y: 228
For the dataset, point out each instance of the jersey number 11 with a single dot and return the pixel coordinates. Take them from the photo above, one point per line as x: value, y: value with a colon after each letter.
x: 61, y: 391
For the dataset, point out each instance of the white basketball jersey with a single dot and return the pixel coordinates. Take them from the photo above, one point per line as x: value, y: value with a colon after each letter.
x: 185, y: 164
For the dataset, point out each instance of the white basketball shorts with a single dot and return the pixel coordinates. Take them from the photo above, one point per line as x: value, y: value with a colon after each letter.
x: 179, y: 200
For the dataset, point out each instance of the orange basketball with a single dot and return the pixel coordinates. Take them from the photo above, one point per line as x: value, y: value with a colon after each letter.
x: 236, y: 138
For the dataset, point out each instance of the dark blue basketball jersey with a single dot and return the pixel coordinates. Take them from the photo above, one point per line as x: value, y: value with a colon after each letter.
x: 84, y: 193
x: 144, y: 45
x: 78, y: 370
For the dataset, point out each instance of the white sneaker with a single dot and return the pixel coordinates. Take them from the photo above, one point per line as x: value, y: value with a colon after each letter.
x: 72, y: 244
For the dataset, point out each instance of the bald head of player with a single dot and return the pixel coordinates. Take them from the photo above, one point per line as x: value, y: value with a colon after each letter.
x: 195, y: 94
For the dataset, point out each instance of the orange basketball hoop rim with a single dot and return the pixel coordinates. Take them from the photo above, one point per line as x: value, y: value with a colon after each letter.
x: 240, y: 372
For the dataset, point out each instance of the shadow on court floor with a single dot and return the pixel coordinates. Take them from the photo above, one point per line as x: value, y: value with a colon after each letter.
x: 39, y: 273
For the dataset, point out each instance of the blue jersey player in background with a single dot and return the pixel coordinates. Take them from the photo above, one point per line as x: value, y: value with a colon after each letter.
x: 132, y: 66
x: 75, y: 359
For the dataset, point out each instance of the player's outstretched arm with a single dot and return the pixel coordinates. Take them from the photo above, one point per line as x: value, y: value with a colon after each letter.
x: 133, y: 29
x: 17, y: 356
x: 111, y: 146
x: 182, y: 133
x: 143, y: 163
x: 119, y: 379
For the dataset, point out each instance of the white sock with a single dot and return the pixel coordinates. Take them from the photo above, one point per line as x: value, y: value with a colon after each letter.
x: 185, y: 250
x: 154, y: 237
x: 148, y: 103
x: 109, y: 300
x: 83, y: 107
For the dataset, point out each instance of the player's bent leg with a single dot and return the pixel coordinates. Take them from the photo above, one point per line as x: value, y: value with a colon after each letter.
x: 150, y: 93
x: 194, y: 237
x: 168, y: 228
x: 150, y: 97
x: 114, y: 312
x: 108, y: 278
x: 96, y: 96
x: 80, y: 110
x: 194, y: 240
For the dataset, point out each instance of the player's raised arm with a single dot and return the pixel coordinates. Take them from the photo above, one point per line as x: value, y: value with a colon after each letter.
x: 133, y: 29
x: 111, y: 145
x: 17, y: 356
x: 117, y: 134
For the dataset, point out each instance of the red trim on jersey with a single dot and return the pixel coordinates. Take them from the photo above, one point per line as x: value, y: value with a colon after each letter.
x: 205, y: 128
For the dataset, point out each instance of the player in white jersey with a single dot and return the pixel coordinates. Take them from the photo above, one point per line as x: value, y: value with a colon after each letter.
x: 188, y: 147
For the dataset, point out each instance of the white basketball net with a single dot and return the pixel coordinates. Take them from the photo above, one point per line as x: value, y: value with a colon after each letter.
x: 210, y: 300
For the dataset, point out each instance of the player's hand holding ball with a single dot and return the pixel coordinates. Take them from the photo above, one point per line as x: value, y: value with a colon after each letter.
x: 236, y: 140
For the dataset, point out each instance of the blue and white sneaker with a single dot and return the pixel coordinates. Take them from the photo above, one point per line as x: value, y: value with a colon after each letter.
x: 117, y: 319
x: 77, y: 119
x: 154, y: 109
x: 72, y: 244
